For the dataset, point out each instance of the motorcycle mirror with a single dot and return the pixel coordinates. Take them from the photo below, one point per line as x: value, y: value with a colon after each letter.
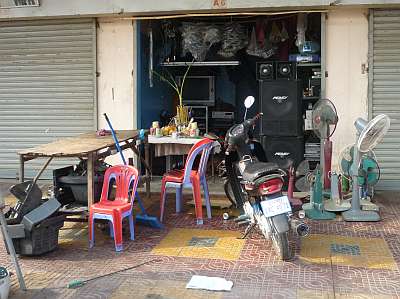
x: 249, y: 101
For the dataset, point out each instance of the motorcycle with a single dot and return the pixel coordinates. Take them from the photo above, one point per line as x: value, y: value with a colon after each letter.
x: 255, y: 187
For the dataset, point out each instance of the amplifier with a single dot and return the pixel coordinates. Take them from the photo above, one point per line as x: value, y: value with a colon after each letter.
x: 223, y: 114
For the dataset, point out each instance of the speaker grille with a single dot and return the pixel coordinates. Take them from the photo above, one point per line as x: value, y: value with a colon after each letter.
x: 281, y: 149
x: 281, y: 104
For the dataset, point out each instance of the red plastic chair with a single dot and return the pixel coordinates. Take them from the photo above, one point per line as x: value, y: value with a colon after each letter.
x: 126, y: 179
x: 188, y: 177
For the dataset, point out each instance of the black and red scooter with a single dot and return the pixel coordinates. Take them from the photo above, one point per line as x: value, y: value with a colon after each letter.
x: 255, y: 188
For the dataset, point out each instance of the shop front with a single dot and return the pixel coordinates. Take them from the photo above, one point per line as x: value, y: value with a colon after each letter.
x: 122, y: 84
x: 276, y: 58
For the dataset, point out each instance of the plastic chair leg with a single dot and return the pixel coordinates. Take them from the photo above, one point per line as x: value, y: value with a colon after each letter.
x: 206, y: 197
x: 162, y: 200
x: 91, y: 231
x: 131, y: 226
x: 197, y: 199
x: 117, y: 225
x: 111, y: 227
x: 179, y: 199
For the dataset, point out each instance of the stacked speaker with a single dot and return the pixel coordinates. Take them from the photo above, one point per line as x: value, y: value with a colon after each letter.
x: 280, y: 101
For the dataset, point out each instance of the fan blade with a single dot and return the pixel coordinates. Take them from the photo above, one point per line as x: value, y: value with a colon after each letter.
x: 303, y: 168
x: 373, y: 132
x: 303, y: 184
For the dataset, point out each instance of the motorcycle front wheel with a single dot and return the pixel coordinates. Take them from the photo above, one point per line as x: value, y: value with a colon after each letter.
x: 229, y: 193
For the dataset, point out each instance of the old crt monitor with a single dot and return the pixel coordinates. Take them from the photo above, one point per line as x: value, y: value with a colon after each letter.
x: 198, y: 90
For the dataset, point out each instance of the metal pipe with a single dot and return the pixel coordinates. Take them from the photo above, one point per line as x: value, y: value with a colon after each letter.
x: 300, y: 228
x: 10, y: 246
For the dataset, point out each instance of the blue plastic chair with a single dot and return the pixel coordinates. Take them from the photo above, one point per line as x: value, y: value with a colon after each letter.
x: 188, y: 177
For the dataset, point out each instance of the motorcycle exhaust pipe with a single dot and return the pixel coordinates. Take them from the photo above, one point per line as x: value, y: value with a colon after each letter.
x: 300, y: 228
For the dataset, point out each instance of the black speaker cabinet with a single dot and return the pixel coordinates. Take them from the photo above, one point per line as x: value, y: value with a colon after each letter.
x: 281, y: 149
x: 265, y: 70
x: 285, y: 70
x: 281, y: 105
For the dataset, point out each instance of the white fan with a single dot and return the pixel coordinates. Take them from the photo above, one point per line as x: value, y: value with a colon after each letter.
x: 369, y: 135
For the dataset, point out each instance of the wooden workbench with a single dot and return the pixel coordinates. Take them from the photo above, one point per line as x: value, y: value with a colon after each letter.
x: 88, y: 146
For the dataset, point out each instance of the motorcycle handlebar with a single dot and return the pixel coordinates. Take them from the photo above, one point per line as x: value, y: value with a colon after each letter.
x: 253, y: 120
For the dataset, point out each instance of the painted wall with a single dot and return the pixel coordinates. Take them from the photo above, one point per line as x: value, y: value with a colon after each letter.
x: 116, y: 67
x: 128, y: 7
x: 347, y: 84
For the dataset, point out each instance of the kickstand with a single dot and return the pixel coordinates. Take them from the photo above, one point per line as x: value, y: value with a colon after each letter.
x: 247, y: 231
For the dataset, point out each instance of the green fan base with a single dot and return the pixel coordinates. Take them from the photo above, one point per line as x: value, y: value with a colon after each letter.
x: 359, y: 215
x: 316, y: 214
x: 332, y: 206
x: 367, y: 205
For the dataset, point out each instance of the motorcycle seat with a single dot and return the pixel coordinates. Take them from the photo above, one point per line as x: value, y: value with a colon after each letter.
x: 253, y: 171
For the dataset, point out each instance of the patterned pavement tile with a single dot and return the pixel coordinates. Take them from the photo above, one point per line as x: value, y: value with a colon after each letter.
x: 372, y: 253
x: 338, y: 260
x: 311, y: 294
x: 197, y: 243
x: 160, y: 289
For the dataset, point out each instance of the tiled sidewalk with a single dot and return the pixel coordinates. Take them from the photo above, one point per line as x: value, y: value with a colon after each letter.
x: 338, y: 260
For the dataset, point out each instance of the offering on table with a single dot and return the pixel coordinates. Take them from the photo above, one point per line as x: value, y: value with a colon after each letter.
x: 168, y: 130
x: 154, y: 126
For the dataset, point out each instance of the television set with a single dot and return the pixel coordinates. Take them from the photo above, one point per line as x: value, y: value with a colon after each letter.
x: 198, y: 90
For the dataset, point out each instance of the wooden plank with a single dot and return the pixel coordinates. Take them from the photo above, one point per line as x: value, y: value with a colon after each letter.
x: 78, y: 146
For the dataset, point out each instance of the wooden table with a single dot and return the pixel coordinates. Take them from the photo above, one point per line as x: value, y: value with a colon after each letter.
x: 89, y: 146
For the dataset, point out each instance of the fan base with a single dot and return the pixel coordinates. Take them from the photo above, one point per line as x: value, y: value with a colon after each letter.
x: 332, y: 206
x: 319, y: 215
x: 359, y: 215
x: 367, y: 205
x: 307, y: 206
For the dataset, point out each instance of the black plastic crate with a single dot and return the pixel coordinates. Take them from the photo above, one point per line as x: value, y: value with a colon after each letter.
x: 42, y: 239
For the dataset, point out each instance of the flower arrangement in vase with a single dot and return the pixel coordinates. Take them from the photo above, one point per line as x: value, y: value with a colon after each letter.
x: 182, y: 113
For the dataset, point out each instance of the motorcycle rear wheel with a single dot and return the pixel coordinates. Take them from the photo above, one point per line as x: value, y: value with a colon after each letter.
x: 281, y: 244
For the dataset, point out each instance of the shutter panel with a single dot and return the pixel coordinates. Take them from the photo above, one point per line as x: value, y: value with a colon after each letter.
x: 47, y: 86
x: 385, y: 91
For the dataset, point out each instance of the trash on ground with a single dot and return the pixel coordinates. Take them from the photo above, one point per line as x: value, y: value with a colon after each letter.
x: 209, y: 283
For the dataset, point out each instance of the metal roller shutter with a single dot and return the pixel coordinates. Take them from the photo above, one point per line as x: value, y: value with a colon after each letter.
x: 384, y: 90
x: 47, y: 86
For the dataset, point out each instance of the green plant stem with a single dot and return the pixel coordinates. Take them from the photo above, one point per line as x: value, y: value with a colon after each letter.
x: 171, y: 81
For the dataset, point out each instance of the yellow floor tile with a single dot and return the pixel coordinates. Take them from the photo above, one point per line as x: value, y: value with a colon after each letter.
x: 371, y: 253
x: 211, y: 244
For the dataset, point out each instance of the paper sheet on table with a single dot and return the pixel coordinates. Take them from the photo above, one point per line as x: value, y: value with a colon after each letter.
x: 209, y: 283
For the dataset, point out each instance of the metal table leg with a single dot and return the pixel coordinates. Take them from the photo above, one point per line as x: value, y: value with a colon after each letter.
x: 11, y: 249
x: 147, y: 159
x: 21, y: 168
x: 90, y: 179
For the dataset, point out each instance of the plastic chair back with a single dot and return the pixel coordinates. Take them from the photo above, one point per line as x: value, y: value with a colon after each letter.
x: 204, y: 159
x: 196, y: 149
x: 126, y: 180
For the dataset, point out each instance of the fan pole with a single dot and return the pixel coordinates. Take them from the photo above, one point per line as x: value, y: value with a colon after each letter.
x: 314, y: 210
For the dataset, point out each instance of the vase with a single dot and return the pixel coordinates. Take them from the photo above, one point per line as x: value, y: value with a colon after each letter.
x: 182, y: 115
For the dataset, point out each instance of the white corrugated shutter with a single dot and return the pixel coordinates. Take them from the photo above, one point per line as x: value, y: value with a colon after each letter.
x: 385, y: 90
x: 47, y: 85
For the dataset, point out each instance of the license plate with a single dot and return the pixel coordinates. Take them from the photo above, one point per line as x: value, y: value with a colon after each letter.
x: 276, y: 206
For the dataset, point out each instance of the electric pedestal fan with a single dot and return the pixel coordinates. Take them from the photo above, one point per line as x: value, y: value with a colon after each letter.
x: 324, y: 120
x: 369, y: 174
x: 368, y: 136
